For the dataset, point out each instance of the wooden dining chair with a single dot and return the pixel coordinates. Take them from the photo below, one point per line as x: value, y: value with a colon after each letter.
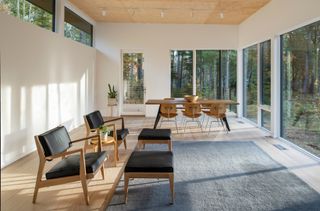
x: 167, y: 112
x: 217, y: 112
x: 193, y: 112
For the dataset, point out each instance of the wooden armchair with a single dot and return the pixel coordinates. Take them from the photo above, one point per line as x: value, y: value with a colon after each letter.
x: 94, y: 121
x: 76, y: 165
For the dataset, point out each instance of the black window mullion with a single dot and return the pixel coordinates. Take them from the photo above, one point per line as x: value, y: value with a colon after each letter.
x: 54, y: 15
x: 219, y: 76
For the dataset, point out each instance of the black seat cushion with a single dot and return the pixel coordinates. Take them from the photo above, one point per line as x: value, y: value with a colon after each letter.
x: 70, y: 166
x: 155, y: 134
x: 121, y: 133
x: 150, y: 161
x: 95, y: 119
x: 55, y: 141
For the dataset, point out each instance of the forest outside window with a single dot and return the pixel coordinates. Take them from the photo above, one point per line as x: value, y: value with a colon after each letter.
x: 38, y: 12
x: 76, y: 28
x: 250, y: 100
x: 300, y: 87
x: 214, y: 76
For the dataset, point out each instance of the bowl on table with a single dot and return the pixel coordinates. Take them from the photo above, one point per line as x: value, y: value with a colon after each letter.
x: 191, y: 98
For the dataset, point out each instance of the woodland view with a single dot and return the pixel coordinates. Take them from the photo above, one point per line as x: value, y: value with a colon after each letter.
x: 301, y: 87
x: 23, y: 9
x: 133, y: 78
x: 41, y: 13
x: 216, y: 75
x: 250, y: 83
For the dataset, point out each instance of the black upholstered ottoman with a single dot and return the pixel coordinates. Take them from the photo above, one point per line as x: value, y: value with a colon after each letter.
x: 149, y: 164
x: 154, y: 136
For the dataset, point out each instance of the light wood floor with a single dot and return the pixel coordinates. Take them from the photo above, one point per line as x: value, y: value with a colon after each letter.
x: 18, y: 179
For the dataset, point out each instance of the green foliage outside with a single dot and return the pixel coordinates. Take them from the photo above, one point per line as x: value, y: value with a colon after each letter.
x: 28, y: 12
x: 250, y: 83
x: 229, y: 76
x: 216, y: 74
x: 133, y: 78
x: 207, y: 74
x: 76, y: 34
x: 181, y: 73
x: 301, y: 87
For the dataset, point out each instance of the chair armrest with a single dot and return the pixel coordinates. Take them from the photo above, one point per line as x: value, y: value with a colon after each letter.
x: 65, y: 153
x: 85, y: 138
x: 82, y: 160
x: 115, y: 119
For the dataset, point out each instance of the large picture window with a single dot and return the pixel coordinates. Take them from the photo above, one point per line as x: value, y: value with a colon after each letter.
x: 300, y: 87
x: 208, y: 73
x: 229, y: 76
x: 38, y: 12
x: 250, y: 83
x: 76, y: 28
x: 215, y: 74
x: 181, y: 73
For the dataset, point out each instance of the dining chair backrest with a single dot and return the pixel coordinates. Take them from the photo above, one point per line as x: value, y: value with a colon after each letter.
x: 168, y: 110
x: 218, y: 109
x: 192, y: 109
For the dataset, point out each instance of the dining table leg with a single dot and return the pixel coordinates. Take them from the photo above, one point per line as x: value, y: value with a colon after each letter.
x: 157, y: 119
x: 226, y: 122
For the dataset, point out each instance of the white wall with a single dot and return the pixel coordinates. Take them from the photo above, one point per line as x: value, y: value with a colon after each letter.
x: 46, y: 80
x: 155, y: 40
x: 277, y: 17
x: 274, y: 19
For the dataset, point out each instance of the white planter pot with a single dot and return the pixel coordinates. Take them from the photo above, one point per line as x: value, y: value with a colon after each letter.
x: 103, y: 136
x: 112, y: 101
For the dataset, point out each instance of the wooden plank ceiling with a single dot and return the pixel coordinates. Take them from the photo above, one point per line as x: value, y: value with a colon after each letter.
x: 170, y: 11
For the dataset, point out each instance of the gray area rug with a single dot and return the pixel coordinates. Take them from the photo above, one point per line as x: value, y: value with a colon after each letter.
x: 220, y: 176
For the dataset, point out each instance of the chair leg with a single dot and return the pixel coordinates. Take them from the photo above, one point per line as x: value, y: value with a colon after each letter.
x: 126, y: 184
x: 125, y: 143
x: 170, y: 145
x: 35, y: 193
x: 210, y: 127
x: 85, y: 189
x: 185, y: 125
x: 176, y: 124
x: 102, y: 172
x: 39, y: 176
x: 171, y: 181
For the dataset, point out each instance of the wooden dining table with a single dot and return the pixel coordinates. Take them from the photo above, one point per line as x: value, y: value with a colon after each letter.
x: 183, y: 101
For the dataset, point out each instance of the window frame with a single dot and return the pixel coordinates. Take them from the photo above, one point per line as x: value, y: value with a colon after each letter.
x: 67, y: 9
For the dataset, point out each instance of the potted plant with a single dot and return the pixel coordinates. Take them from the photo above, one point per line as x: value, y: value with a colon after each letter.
x: 104, y: 132
x: 112, y: 95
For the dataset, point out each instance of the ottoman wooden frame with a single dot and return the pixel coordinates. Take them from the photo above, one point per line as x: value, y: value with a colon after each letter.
x: 159, y: 175
x: 154, y: 138
x: 149, y: 164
